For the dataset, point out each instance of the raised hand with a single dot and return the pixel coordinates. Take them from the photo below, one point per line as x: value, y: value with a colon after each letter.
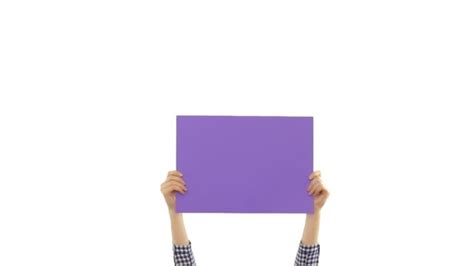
x: 174, y: 183
x: 317, y: 190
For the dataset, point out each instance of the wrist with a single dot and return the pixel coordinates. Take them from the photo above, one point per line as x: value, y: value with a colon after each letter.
x: 173, y: 213
x: 314, y: 216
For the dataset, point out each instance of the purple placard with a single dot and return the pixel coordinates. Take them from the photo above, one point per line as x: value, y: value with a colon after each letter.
x: 245, y: 164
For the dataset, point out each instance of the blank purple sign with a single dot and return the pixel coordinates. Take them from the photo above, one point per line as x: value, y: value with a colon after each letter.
x: 245, y: 164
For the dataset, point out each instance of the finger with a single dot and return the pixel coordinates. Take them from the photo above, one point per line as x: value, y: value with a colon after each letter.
x: 170, y: 176
x: 175, y: 173
x: 323, y: 194
x: 177, y: 179
x: 174, y: 186
x: 180, y: 185
x: 320, y: 184
x: 315, y: 175
x: 315, y: 190
x: 165, y: 183
x: 173, y: 182
x: 171, y: 188
x: 312, y: 184
x: 165, y: 187
x: 321, y: 199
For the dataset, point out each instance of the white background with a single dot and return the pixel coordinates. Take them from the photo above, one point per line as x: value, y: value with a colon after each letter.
x: 89, y: 91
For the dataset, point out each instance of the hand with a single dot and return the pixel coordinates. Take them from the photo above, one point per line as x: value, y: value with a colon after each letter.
x: 317, y: 190
x: 174, y: 182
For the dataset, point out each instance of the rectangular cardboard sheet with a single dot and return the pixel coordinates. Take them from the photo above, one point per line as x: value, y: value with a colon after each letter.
x: 245, y: 164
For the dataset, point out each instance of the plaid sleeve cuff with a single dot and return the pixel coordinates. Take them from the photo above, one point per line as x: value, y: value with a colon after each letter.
x: 183, y: 255
x: 307, y: 255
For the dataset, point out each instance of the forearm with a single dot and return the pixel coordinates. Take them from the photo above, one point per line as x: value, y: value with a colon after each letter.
x: 311, y: 228
x: 178, y: 230
x: 308, y: 251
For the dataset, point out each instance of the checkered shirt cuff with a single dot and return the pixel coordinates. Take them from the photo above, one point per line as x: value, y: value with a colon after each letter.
x: 308, y: 255
x: 183, y: 255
